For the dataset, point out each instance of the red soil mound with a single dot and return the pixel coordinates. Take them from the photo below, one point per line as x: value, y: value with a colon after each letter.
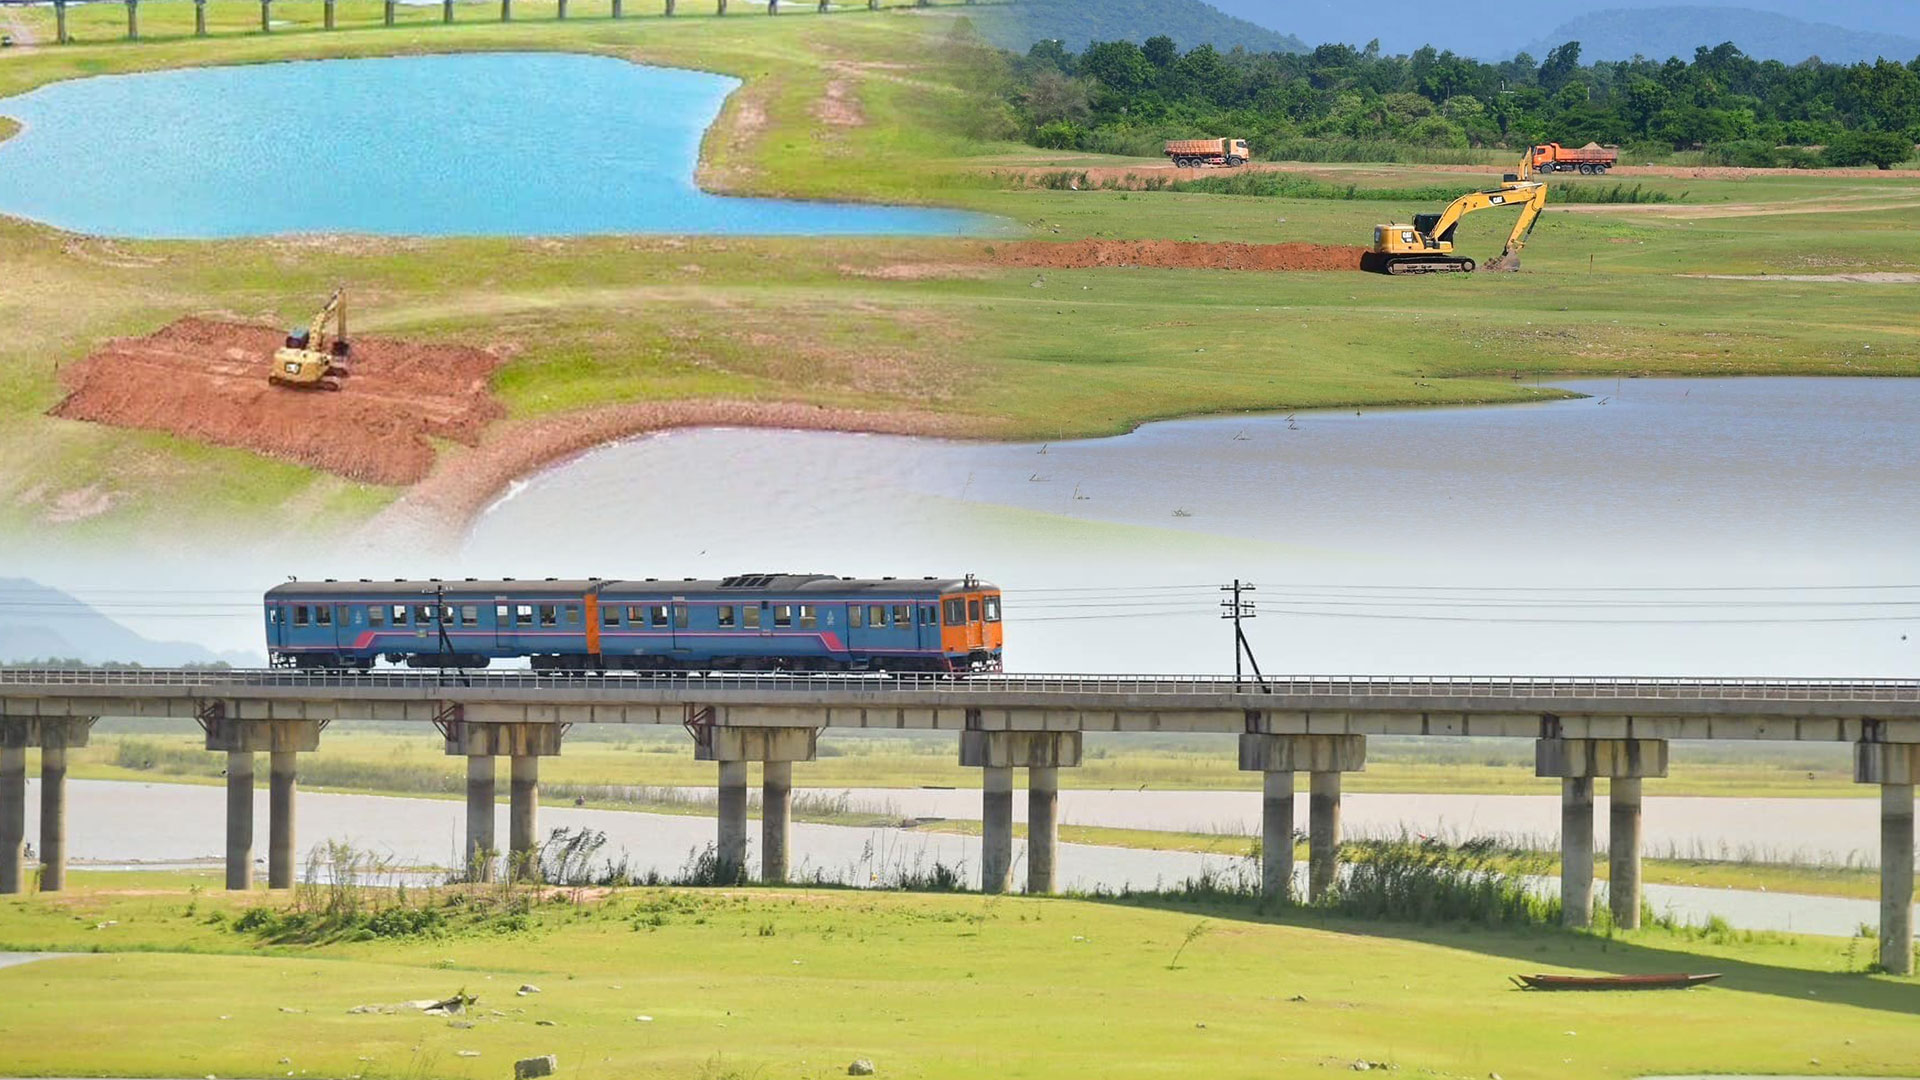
x: 1178, y: 255
x: 208, y: 381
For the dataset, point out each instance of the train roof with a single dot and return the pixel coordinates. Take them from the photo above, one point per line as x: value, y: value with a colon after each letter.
x: 739, y: 584
x: 755, y: 584
x: 453, y: 587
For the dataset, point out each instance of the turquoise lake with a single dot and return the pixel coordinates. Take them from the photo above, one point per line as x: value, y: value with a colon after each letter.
x: 519, y: 144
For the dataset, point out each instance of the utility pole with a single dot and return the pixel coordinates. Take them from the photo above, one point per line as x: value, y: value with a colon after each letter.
x: 1239, y: 608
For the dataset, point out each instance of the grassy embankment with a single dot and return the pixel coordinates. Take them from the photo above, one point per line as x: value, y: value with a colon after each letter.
x: 787, y: 982
x: 642, y: 774
x: 891, y: 326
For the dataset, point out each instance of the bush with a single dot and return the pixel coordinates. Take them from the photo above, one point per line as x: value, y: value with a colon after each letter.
x: 1881, y: 149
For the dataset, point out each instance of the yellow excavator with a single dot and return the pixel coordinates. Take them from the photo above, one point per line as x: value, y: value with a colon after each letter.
x: 1426, y: 246
x: 313, y: 359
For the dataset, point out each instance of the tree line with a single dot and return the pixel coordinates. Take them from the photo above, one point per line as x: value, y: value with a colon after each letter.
x: 1119, y: 97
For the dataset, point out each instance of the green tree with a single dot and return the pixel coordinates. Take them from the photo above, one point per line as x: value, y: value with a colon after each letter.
x: 1160, y: 51
x: 1119, y: 65
x: 1881, y: 149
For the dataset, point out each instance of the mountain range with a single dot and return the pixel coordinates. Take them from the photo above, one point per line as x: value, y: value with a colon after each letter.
x: 1076, y: 22
x: 41, y: 623
x: 1789, y: 30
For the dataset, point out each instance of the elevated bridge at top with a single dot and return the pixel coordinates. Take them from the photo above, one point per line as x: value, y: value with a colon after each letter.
x: 1584, y: 727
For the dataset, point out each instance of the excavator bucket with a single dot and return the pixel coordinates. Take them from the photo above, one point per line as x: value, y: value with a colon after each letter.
x: 1506, y: 261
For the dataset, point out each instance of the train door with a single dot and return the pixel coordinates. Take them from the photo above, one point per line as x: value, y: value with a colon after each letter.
x: 929, y: 628
x: 503, y: 626
x: 866, y: 628
x: 976, y: 628
x: 678, y: 637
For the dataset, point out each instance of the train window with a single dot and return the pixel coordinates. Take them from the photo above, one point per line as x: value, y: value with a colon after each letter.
x: 549, y: 615
x: 680, y: 616
x: 856, y: 617
x: 956, y: 612
x: 993, y: 609
x: 377, y: 615
x: 299, y: 614
x: 783, y: 614
x: 572, y: 615
x: 446, y: 614
x: 809, y: 616
x: 343, y: 615
x: 523, y: 615
x: 609, y: 616
x: 469, y: 615
x: 750, y: 617
x: 724, y: 615
x: 422, y: 614
x: 399, y: 615
x: 973, y: 611
x: 929, y: 615
x: 903, y: 614
x: 659, y: 614
x: 876, y: 615
x: 502, y: 615
x: 322, y: 615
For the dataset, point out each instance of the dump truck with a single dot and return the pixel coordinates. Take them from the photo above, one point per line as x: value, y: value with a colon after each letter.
x: 1194, y: 153
x: 1589, y: 160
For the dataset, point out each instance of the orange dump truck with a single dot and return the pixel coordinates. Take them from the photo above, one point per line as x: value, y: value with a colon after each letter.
x: 1193, y: 153
x: 1591, y: 159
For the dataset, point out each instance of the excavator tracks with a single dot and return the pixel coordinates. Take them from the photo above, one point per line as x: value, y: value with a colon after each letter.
x: 1399, y: 267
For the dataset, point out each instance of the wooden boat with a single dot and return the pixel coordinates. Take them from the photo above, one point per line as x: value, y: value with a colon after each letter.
x: 1674, y: 981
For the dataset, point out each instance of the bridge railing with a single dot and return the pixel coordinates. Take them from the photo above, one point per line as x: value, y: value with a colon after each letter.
x: 1528, y: 688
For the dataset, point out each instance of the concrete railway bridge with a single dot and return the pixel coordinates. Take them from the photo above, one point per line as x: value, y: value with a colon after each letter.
x: 1584, y: 729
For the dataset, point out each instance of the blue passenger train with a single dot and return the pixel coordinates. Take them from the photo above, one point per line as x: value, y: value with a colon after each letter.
x: 749, y: 622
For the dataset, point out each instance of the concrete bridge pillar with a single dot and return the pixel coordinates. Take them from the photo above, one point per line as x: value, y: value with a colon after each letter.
x: 283, y: 741
x: 523, y: 744
x: 562, y: 10
x: 506, y: 10
x: 53, y: 736
x: 13, y: 815
x: 1896, y: 768
x: 776, y: 816
x: 1043, y: 754
x: 873, y: 5
x: 133, y: 20
x: 670, y: 6
x: 1577, y: 763
x: 266, y: 16
x: 60, y: 22
x: 825, y: 5
x: 1278, y: 757
x: 239, y: 820
x: 616, y: 8
x: 776, y: 748
x: 386, y: 15
x: 482, y: 851
x: 199, y: 18
x: 721, y: 8
x: 773, y: 7
x: 326, y: 16
x: 283, y: 783
x: 446, y: 11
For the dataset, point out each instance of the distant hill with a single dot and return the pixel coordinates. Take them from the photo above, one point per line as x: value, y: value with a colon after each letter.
x: 39, y: 623
x: 1405, y: 25
x: 1658, y: 33
x: 1076, y: 22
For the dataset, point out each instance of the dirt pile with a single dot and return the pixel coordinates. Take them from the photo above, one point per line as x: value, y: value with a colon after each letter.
x: 1178, y: 255
x: 207, y: 380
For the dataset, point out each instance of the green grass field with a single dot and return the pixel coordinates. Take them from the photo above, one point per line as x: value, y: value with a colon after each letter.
x: 780, y: 982
x: 892, y: 326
